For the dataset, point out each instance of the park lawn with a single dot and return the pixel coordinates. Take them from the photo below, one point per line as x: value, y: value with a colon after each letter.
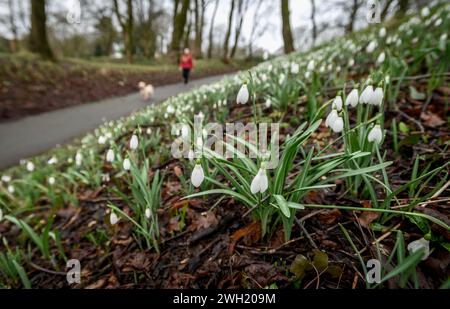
x: 31, y: 86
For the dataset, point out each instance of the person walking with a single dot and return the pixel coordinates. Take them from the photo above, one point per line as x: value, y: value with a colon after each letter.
x: 186, y: 64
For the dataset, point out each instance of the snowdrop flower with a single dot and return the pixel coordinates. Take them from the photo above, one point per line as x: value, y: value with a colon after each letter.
x: 113, y: 219
x: 366, y: 95
x: 337, y: 103
x: 265, y: 55
x: 337, y: 125
x: 191, y: 155
x: 377, y: 97
x: 102, y: 140
x: 331, y: 117
x: 243, y: 95
x: 30, y: 166
x: 52, y: 161
x: 382, y: 32
x: 197, y: 175
x: 51, y: 180
x: 106, y: 177
x: 416, y: 245
x: 295, y: 68
x: 311, y: 65
x: 78, y: 158
x: 11, y: 189
x: 425, y: 12
x: 110, y: 155
x: 438, y: 22
x: 260, y: 183
x: 268, y: 103
x: 381, y: 58
x: 6, y: 178
x: 149, y: 131
x: 148, y: 213
x: 352, y: 98
x: 134, y: 142
x: 375, y: 135
x: 351, y: 62
x: 126, y: 164
x: 371, y: 47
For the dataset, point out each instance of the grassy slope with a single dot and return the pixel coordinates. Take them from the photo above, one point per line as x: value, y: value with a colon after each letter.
x: 80, y: 183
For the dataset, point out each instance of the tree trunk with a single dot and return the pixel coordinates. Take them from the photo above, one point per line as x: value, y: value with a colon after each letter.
x: 211, y: 29
x: 313, y: 21
x: 287, y: 32
x: 129, y: 31
x: 403, y: 6
x: 199, y: 23
x: 228, y: 33
x: 240, y: 19
x: 38, y: 38
x: 352, y: 17
x: 179, y: 25
x: 127, y: 28
x: 13, y: 27
x: 385, y: 9
x: 187, y: 33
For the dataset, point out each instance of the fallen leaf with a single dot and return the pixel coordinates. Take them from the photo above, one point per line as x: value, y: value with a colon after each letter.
x: 432, y: 120
x: 299, y: 266
x: 251, y: 232
x: 328, y: 217
x: 178, y: 171
x: 367, y: 217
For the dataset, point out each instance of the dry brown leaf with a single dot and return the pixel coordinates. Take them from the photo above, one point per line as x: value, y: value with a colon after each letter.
x: 252, y: 232
x: 432, y: 120
x: 328, y: 217
x: 178, y: 171
x: 367, y: 217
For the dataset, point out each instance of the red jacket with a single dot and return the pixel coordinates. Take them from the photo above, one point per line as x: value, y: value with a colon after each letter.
x: 186, y: 62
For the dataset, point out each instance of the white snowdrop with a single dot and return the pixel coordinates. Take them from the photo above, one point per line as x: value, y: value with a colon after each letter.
x: 265, y: 55
x: 6, y: 178
x: 295, y: 68
x: 148, y: 213
x: 371, y: 47
x: 260, y: 183
x: 438, y: 22
x: 351, y: 62
x: 243, y: 95
x: 197, y: 175
x: 382, y: 32
x: 11, y: 189
x: 366, y: 95
x: 337, y: 125
x: 418, y: 244
x: 106, y: 177
x: 311, y: 65
x: 377, y: 97
x: 110, y: 155
x: 352, y: 98
x: 30, y: 166
x: 337, y: 103
x: 134, y: 142
x: 102, y: 140
x: 51, y: 180
x: 330, y: 118
x: 381, y: 58
x: 52, y: 160
x: 113, y: 219
x: 268, y: 103
x: 425, y: 12
x: 126, y: 164
x: 78, y: 158
x: 375, y: 135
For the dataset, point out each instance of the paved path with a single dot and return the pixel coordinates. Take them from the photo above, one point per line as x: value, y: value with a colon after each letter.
x: 33, y: 135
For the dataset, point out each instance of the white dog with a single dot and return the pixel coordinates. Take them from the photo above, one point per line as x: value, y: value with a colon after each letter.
x: 146, y: 91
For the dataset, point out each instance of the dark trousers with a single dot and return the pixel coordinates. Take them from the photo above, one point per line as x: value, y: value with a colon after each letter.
x: 186, y: 75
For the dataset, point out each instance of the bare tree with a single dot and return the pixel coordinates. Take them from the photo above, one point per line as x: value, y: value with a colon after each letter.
x: 38, y: 37
x: 228, y: 33
x: 403, y: 6
x: 242, y: 9
x: 256, y: 23
x: 200, y: 8
x: 211, y: 29
x: 179, y: 23
x: 385, y: 9
x: 353, y: 13
x: 188, y: 28
x: 313, y: 21
x: 126, y: 23
x: 287, y: 32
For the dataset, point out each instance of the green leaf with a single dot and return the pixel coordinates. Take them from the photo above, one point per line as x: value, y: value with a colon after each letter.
x: 283, y: 205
